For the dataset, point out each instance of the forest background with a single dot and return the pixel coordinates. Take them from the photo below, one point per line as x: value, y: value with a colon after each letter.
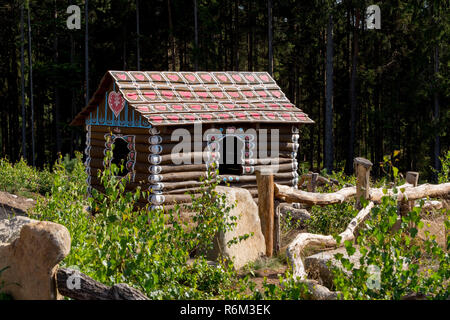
x: 376, y: 93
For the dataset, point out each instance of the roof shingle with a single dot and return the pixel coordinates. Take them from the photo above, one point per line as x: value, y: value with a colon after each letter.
x: 170, y: 98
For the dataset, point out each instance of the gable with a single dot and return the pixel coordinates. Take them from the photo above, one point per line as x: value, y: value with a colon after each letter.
x: 114, y: 110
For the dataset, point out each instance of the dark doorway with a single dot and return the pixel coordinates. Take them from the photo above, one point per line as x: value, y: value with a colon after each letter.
x: 231, y: 153
x: 120, y: 155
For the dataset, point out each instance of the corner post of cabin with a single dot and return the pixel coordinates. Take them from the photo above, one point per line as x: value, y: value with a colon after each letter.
x: 362, y: 168
x: 265, y: 182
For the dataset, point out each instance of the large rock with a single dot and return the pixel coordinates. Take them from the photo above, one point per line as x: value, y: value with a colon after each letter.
x: 317, y: 268
x: 247, y: 221
x: 32, y: 258
x: 10, y: 228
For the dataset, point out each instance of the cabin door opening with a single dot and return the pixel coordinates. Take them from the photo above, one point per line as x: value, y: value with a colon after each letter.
x: 120, y: 156
x: 230, y: 156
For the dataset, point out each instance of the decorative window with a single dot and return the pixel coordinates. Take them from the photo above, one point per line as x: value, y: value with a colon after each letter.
x: 231, y: 155
x: 124, y: 153
x: 120, y: 156
x: 235, y: 149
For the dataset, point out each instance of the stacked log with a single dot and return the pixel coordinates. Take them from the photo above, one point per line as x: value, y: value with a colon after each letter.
x: 169, y: 165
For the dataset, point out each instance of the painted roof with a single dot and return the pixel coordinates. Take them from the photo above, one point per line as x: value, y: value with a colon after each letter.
x: 171, y: 98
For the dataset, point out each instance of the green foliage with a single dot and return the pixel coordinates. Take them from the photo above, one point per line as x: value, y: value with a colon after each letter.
x: 287, y: 289
x: 332, y: 219
x: 21, y: 179
x: 144, y: 248
x: 394, y: 263
x: 388, y: 167
x: 444, y: 174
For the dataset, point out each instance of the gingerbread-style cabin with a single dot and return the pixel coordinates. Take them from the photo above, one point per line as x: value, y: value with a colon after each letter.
x: 169, y: 127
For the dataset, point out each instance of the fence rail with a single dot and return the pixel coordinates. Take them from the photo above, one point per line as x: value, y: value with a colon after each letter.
x: 271, y: 195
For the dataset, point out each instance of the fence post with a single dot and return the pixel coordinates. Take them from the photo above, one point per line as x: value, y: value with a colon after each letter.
x: 412, y: 177
x: 362, y: 171
x: 313, y: 182
x: 264, y: 179
x: 404, y: 206
x: 276, y: 228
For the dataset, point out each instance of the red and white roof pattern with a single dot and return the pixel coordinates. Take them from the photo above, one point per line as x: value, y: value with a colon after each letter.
x: 170, y: 98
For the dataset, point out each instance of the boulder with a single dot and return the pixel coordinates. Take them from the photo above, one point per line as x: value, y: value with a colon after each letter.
x: 10, y: 228
x: 32, y: 259
x: 247, y: 222
x: 317, y: 268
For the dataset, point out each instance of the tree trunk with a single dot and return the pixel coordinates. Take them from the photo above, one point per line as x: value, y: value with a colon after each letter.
x: 195, y: 37
x: 328, y: 141
x: 86, y: 50
x: 236, y: 35
x: 250, y: 24
x: 56, y: 84
x: 437, y: 147
x: 22, y: 81
x: 269, y: 23
x: 171, y: 51
x: 138, y: 38
x: 351, y: 142
x: 31, y: 89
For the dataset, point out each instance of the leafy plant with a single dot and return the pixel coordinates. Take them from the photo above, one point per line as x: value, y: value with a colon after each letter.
x: 148, y: 249
x: 332, y: 219
x: 444, y: 174
x: 394, y: 263
x: 388, y: 165
x: 21, y: 179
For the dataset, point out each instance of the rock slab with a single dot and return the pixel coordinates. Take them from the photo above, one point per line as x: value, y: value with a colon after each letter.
x: 247, y: 222
x: 317, y: 268
x: 32, y: 259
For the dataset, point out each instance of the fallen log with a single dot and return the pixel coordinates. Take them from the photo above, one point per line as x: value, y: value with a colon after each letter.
x: 76, y: 285
x: 320, y: 180
x: 319, y: 292
x: 412, y: 193
x: 295, y: 250
x: 291, y: 195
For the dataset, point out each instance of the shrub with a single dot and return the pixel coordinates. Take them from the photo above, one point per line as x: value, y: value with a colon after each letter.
x: 145, y: 248
x: 394, y: 263
x: 444, y: 174
x: 21, y: 179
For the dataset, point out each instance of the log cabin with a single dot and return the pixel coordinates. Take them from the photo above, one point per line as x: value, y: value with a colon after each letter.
x: 168, y: 128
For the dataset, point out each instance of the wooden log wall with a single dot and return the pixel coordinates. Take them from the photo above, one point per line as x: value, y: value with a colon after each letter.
x: 159, y: 164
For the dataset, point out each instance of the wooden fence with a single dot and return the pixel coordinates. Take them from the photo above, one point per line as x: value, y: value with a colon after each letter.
x: 271, y: 195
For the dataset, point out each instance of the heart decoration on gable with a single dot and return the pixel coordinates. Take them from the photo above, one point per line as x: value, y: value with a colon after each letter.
x: 116, y: 102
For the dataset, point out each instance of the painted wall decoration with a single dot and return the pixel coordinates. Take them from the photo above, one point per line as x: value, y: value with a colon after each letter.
x: 131, y: 157
x: 116, y: 102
